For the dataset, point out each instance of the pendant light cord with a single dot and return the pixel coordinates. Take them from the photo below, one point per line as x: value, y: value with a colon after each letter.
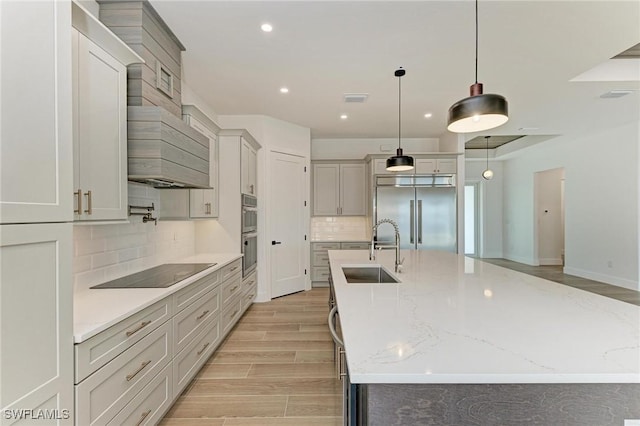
x: 399, y: 110
x: 487, y: 138
x: 476, y: 41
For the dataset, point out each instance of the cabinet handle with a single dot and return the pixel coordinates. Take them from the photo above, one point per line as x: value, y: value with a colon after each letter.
x: 251, y: 188
x: 207, y: 208
x: 233, y: 289
x: 140, y: 327
x: 206, y: 345
x: 233, y: 314
x: 135, y: 373
x: 202, y: 315
x: 89, y: 204
x: 233, y: 269
x: 341, y: 373
x: 143, y: 416
x: 79, y: 194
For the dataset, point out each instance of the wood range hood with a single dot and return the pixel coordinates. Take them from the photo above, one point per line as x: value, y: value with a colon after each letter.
x: 163, y: 150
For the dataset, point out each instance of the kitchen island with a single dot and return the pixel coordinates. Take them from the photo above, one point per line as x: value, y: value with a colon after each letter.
x: 463, y: 342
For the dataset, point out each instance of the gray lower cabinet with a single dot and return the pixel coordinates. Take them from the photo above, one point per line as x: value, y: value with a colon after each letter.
x: 132, y: 372
x: 320, y: 258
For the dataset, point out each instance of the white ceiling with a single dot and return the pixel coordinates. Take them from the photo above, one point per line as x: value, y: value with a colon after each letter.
x: 320, y: 50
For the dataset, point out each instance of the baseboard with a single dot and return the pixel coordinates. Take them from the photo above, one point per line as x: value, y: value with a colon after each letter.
x: 525, y: 260
x: 550, y: 261
x: 603, y: 278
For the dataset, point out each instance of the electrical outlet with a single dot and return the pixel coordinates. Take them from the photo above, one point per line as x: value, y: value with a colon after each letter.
x: 609, y: 264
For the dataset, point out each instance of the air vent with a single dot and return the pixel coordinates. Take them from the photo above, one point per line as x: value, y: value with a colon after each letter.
x: 615, y: 94
x: 479, y: 142
x: 357, y: 98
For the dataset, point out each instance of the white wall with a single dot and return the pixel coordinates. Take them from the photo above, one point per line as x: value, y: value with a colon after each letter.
x: 601, y: 203
x: 490, y: 206
x: 357, y: 149
x: 280, y: 136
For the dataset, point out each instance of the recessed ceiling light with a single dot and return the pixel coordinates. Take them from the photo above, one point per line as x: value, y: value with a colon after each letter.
x: 343, y: 117
x: 428, y: 115
x: 284, y: 90
x: 267, y: 28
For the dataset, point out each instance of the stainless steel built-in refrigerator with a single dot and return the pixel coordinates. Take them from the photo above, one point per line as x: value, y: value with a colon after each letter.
x: 424, y: 207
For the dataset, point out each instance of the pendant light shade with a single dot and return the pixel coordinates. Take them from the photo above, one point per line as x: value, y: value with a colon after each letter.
x: 478, y: 112
x: 399, y: 162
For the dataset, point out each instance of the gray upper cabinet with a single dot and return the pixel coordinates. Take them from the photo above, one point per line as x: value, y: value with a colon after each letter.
x: 35, y: 172
x: 248, y: 169
x: 203, y: 203
x: 100, y: 132
x: 432, y: 165
x: 99, y: 99
x: 339, y: 189
x: 422, y: 166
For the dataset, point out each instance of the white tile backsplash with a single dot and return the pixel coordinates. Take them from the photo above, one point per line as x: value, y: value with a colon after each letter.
x: 340, y: 228
x: 108, y: 251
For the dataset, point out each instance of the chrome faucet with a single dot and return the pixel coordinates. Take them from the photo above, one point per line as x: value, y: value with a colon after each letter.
x: 372, y: 255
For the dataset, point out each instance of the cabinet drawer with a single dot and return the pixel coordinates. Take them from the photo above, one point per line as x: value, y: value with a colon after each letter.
x: 230, y: 269
x: 105, y: 346
x: 320, y: 273
x: 230, y: 288
x: 195, y: 291
x: 325, y: 246
x: 320, y: 258
x: 150, y: 404
x: 187, y: 363
x: 103, y: 394
x: 231, y: 314
x: 249, y: 295
x: 249, y: 282
x: 355, y: 246
x: 192, y: 319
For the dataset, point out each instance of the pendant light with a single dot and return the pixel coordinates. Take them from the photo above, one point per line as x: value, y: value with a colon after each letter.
x: 399, y: 162
x: 478, y: 112
x: 488, y: 173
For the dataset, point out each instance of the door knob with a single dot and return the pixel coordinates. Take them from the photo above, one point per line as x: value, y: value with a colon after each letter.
x: 273, y: 243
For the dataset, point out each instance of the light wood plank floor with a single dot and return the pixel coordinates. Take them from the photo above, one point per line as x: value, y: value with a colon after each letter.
x: 274, y: 368
x: 556, y: 274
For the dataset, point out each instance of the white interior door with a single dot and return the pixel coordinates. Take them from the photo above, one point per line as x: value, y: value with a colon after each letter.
x: 287, y: 224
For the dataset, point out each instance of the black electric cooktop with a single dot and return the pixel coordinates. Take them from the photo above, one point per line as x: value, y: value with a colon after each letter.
x: 161, y: 276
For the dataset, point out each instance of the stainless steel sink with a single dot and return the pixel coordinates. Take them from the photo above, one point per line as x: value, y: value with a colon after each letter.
x: 367, y: 275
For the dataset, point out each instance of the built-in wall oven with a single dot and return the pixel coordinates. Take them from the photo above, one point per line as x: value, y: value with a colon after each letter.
x: 249, y: 234
x: 249, y: 214
x: 249, y: 252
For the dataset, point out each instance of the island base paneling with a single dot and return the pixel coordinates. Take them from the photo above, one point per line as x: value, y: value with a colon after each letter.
x: 569, y: 404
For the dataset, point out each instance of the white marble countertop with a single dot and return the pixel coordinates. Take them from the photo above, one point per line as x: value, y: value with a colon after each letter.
x: 95, y: 310
x: 453, y: 319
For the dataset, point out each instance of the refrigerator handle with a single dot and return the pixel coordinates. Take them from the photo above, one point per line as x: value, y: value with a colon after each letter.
x: 419, y: 221
x: 411, y: 221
